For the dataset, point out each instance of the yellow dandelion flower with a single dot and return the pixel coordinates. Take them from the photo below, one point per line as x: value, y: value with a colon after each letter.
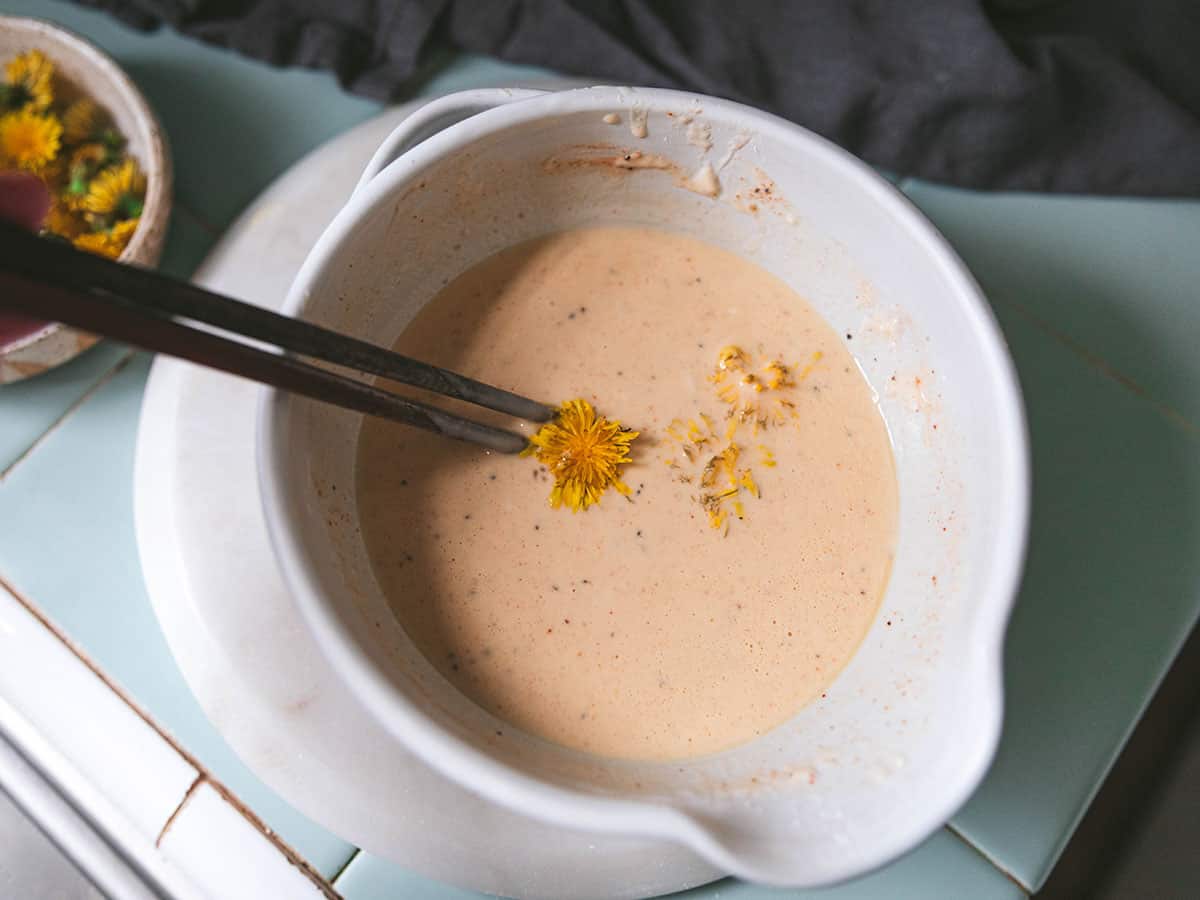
x: 108, y: 243
x: 53, y: 173
x: 119, y: 191
x: 30, y: 83
x: 62, y: 220
x: 89, y: 155
x: 82, y: 121
x: 29, y: 141
x: 85, y: 161
x: 584, y: 452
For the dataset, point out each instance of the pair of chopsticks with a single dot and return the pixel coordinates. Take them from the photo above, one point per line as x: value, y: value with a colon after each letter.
x: 50, y: 280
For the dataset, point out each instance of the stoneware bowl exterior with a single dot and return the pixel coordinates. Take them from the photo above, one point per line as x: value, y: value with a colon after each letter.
x: 87, y: 67
x: 909, y: 727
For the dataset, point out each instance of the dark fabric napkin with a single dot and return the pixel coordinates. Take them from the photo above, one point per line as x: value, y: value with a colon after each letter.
x: 1086, y: 96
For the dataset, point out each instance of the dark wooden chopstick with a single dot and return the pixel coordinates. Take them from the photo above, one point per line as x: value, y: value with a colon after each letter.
x: 26, y: 253
x: 53, y: 281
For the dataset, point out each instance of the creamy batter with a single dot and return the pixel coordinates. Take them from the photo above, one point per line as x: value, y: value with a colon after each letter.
x: 635, y: 628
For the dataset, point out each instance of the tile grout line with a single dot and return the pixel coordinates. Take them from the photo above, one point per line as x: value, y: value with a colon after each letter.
x: 293, y: 858
x: 1103, y: 366
x: 187, y: 796
x: 1097, y: 362
x: 344, y: 866
x: 990, y: 860
x: 289, y: 854
x: 105, y: 378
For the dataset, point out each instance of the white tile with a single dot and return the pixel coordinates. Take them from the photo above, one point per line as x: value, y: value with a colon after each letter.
x: 83, y: 824
x: 109, y: 744
x: 227, y: 857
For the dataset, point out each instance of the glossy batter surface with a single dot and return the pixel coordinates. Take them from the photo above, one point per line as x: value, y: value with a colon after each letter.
x: 636, y: 628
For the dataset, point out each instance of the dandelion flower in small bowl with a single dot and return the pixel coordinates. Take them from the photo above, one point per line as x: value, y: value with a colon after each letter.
x: 63, y: 221
x: 108, y: 242
x: 84, y: 162
x: 29, y: 141
x: 118, y: 192
x: 29, y: 84
x: 82, y: 121
x: 67, y: 115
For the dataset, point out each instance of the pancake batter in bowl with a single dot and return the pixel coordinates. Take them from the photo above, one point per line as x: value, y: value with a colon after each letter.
x: 665, y: 624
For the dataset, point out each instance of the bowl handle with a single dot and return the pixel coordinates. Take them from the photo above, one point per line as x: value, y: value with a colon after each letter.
x: 435, y: 116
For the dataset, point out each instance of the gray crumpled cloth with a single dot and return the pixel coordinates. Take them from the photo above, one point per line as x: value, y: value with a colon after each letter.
x: 1085, y: 96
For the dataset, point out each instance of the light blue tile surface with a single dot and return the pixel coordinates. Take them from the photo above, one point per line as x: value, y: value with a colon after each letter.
x: 67, y: 542
x: 1098, y: 300
x: 1111, y: 590
x: 29, y: 408
x: 943, y: 867
x: 371, y: 878
x: 1120, y: 277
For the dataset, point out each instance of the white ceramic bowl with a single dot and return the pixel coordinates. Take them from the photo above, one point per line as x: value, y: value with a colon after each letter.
x: 911, y: 724
x: 87, y: 67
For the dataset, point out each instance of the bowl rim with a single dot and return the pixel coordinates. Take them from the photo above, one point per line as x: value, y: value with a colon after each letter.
x: 159, y: 168
x: 504, y: 784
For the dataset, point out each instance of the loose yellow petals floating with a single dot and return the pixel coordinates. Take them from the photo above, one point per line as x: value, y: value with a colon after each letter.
x: 758, y: 396
x: 584, y: 452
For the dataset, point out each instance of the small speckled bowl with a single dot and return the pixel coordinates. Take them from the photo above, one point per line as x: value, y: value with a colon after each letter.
x: 86, y: 67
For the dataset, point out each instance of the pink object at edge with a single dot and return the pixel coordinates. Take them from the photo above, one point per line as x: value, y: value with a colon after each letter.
x: 24, y: 200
